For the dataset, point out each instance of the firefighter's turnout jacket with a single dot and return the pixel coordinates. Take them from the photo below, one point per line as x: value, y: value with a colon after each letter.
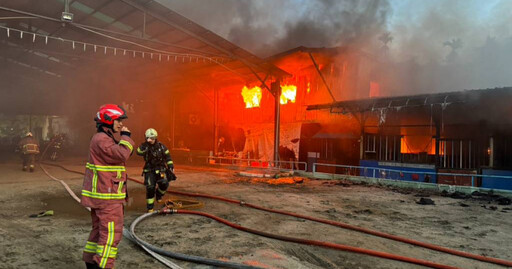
x: 28, y: 145
x: 156, y: 156
x: 105, y: 174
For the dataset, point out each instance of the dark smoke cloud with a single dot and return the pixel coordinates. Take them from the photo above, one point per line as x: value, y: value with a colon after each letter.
x: 269, y: 27
x: 349, y: 23
x: 437, y: 45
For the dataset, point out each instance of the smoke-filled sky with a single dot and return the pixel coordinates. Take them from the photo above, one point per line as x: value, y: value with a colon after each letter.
x: 266, y: 27
x: 473, y: 36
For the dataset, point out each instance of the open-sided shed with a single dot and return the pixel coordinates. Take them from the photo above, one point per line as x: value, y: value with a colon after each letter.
x: 133, y: 52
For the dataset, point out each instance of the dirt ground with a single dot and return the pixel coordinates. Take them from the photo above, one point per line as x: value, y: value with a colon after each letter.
x: 57, y: 241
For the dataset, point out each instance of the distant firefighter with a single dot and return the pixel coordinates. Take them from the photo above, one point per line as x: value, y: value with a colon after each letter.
x: 221, y: 146
x: 57, y: 143
x: 29, y: 148
x: 158, y: 169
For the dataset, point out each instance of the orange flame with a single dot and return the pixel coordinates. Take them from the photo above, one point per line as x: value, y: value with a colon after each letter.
x: 252, y: 97
x: 288, y: 93
x: 418, y: 144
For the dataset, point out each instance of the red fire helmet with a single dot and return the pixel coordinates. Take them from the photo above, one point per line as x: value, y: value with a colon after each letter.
x: 110, y: 112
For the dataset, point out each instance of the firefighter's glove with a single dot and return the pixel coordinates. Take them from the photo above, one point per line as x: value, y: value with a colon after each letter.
x: 127, y: 133
x: 170, y: 175
x: 143, y: 147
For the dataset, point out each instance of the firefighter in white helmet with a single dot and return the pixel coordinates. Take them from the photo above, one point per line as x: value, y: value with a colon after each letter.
x: 158, y: 169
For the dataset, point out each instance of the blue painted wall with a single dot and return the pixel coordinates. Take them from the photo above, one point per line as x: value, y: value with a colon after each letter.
x: 496, y: 183
x: 410, y: 172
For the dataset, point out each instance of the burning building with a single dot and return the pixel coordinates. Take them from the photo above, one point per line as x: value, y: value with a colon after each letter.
x: 432, y: 134
x: 315, y: 76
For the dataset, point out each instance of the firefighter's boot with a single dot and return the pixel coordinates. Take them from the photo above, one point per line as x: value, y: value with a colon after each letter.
x: 24, y: 168
x: 150, y: 205
x: 159, y: 194
x: 32, y: 168
x: 91, y: 266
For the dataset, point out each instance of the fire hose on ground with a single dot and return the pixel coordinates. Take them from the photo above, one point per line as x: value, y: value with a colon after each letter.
x: 356, y: 228
x: 329, y: 222
x: 180, y: 256
x: 303, y: 241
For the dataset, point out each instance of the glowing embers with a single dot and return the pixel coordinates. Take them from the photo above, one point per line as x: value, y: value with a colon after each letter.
x: 252, y: 97
x: 288, y: 93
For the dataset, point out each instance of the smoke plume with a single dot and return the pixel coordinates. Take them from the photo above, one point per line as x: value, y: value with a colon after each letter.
x: 435, y: 45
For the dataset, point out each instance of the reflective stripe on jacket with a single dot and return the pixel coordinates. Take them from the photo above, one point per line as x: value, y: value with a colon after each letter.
x: 105, y: 173
x: 29, y: 145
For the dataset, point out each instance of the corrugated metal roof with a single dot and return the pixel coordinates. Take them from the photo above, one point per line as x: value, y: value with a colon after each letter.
x: 144, y: 22
x: 420, y: 100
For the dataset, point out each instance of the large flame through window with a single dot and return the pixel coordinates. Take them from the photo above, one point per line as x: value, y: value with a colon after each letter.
x: 288, y: 93
x: 252, y: 97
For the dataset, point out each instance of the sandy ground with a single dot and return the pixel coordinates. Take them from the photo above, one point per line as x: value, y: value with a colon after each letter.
x: 57, y: 241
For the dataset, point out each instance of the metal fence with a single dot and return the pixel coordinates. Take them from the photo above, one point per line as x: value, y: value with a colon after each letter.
x: 255, y: 163
x: 397, y: 174
x: 472, y: 180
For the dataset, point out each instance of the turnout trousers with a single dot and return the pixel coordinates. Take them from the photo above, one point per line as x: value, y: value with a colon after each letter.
x: 107, y: 231
x: 28, y: 161
x: 157, y: 184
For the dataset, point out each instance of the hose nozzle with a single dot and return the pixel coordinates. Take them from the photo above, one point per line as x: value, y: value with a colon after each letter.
x: 167, y: 211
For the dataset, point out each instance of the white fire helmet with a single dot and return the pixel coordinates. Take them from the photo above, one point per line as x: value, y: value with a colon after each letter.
x: 151, y: 133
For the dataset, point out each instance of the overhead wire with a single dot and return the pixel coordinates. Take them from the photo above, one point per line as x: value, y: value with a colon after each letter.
x: 159, y: 53
x: 162, y: 51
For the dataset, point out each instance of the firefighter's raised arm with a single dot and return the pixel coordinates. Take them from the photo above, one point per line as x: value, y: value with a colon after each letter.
x: 142, y: 149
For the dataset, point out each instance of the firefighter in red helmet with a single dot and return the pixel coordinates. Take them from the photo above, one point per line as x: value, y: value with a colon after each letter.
x: 104, y: 188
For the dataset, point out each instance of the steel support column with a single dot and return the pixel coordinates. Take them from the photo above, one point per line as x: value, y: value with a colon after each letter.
x: 276, y: 90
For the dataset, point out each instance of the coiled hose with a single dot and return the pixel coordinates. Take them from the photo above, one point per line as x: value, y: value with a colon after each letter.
x: 181, y: 256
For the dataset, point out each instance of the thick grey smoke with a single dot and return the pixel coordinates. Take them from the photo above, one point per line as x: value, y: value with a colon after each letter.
x: 268, y: 27
x: 453, y: 45
x: 438, y: 45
